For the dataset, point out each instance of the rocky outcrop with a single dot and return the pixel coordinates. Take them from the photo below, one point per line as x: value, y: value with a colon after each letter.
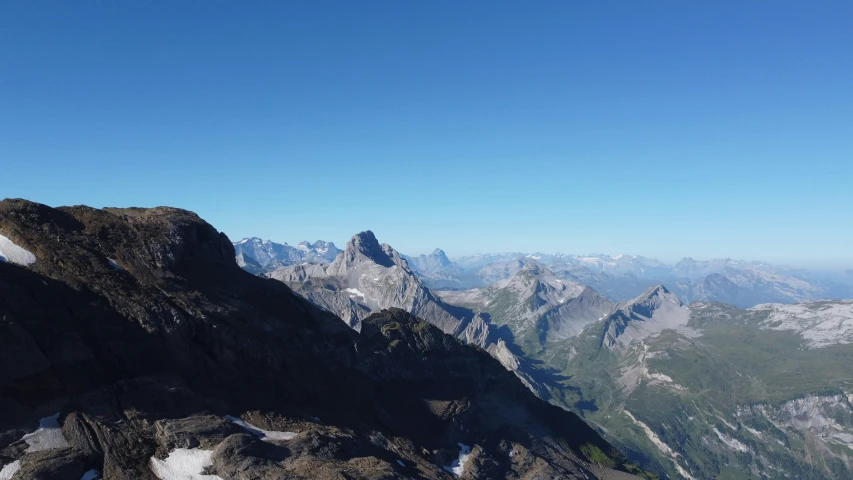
x: 368, y: 277
x: 652, y: 312
x: 134, y: 345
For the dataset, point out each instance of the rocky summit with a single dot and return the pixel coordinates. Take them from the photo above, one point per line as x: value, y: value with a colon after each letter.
x: 134, y: 347
x: 367, y: 277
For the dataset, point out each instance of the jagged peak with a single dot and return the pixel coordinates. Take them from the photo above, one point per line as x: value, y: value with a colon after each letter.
x: 530, y: 267
x: 363, y: 239
x: 365, y: 245
x: 248, y: 240
x: 653, y: 298
x: 655, y: 290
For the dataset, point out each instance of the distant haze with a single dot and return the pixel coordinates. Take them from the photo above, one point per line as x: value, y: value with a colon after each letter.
x: 455, y: 251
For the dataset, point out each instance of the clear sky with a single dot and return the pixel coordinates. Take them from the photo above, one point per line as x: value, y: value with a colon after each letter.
x: 662, y: 128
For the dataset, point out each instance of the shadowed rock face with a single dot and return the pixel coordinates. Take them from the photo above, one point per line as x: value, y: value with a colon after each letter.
x: 140, y: 330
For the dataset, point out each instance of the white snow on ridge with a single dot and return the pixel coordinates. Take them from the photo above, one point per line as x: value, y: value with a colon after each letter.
x: 47, y: 437
x: 10, y: 470
x: 457, y: 468
x: 260, y: 432
x: 354, y: 292
x: 12, y: 253
x: 90, y: 475
x: 184, y: 464
x: 820, y: 323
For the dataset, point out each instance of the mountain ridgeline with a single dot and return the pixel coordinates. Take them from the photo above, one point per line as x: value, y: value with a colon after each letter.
x: 686, y: 387
x: 136, y: 348
x: 270, y: 255
x: 617, y: 277
x: 624, y: 277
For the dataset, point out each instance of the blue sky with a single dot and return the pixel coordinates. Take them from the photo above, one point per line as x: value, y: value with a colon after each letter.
x: 664, y: 128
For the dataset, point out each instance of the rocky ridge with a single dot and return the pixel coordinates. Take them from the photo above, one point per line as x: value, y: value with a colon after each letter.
x: 134, y: 346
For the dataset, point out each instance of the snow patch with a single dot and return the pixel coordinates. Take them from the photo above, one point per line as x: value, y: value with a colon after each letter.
x: 47, y: 437
x: 12, y: 253
x: 457, y: 468
x: 259, y: 432
x: 90, y: 475
x: 184, y: 464
x: 114, y: 264
x: 10, y: 470
x: 354, y: 292
x: 400, y: 463
x: 661, y: 377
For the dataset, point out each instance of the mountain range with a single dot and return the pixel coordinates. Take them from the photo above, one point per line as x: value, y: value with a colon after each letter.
x: 712, y: 391
x: 687, y: 387
x: 535, y: 304
x: 368, y: 277
x: 143, y: 343
x: 270, y: 255
x: 135, y: 347
x: 617, y: 277
x: 697, y: 391
x: 622, y: 277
